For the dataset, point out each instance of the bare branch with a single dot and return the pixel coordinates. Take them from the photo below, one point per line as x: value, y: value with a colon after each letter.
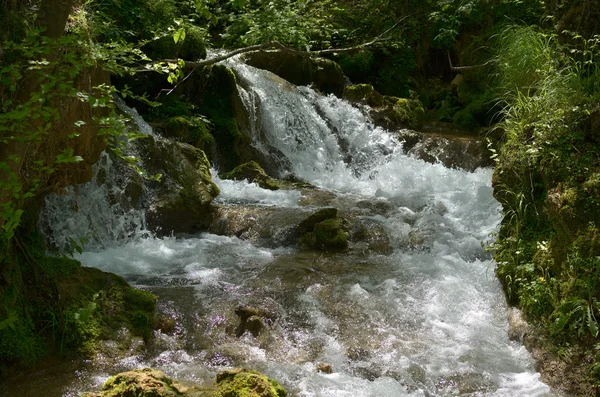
x: 461, y: 68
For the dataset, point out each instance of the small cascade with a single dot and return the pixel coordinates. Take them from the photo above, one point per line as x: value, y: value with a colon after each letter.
x: 95, y: 215
x: 103, y: 212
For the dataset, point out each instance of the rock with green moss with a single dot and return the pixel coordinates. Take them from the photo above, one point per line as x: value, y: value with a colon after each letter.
x: 148, y: 382
x: 244, y: 383
x: 182, y: 189
x: 409, y: 112
x: 328, y: 234
x: 323, y: 74
x: 253, y: 172
x: 308, y: 224
x: 403, y: 113
x: 363, y: 93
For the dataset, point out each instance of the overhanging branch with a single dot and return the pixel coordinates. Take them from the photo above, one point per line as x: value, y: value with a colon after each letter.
x: 277, y: 46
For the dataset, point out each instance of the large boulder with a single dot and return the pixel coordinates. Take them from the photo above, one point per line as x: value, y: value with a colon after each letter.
x: 323, y: 74
x: 180, y: 188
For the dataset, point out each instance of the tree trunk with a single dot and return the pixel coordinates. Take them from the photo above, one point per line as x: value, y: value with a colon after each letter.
x: 53, y: 16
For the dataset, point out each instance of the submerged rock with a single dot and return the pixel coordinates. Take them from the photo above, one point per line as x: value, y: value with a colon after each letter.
x: 253, y: 172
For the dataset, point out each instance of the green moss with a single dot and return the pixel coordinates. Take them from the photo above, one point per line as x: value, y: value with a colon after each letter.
x: 409, y: 112
x: 363, y: 93
x: 53, y: 305
x: 327, y: 234
x: 253, y: 172
x: 243, y: 383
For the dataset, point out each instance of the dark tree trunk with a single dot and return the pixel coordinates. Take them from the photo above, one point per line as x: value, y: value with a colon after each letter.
x: 53, y: 16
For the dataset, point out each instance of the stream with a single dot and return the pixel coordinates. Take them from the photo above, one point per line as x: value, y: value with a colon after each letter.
x: 424, y: 317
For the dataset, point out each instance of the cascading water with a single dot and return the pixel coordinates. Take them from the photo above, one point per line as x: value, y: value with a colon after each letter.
x: 429, y: 319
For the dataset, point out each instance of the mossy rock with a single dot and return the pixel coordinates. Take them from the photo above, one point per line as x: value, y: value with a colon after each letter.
x: 146, y: 382
x: 244, y: 383
x: 253, y: 172
x: 309, y: 223
x: 328, y: 234
x: 363, y: 93
x: 181, y: 196
x: 67, y: 310
x: 409, y: 112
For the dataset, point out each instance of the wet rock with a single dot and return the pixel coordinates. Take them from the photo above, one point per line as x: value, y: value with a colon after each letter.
x: 417, y: 373
x: 179, y: 201
x: 253, y: 172
x: 371, y: 233
x: 323, y: 74
x: 309, y: 223
x: 375, y: 206
x: 146, y: 382
x: 466, y: 383
x: 325, y: 368
x: 165, y: 324
x: 243, y: 383
x: 454, y: 152
x: 357, y: 353
x: 517, y: 326
x: 364, y: 94
x: 252, y: 320
x: 329, y: 234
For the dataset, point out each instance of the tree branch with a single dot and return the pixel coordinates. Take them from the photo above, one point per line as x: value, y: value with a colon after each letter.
x: 277, y: 46
x: 461, y: 68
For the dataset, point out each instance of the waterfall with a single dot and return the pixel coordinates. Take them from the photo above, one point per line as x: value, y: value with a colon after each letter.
x: 427, y: 319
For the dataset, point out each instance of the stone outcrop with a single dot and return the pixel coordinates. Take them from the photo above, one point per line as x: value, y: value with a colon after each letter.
x: 179, y: 197
x: 322, y: 74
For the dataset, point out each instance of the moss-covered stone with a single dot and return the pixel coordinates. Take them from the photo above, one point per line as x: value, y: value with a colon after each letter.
x: 253, y: 172
x: 53, y: 305
x: 148, y: 382
x: 328, y: 234
x: 181, y: 196
x: 216, y: 97
x: 363, y: 93
x: 244, y: 383
x: 309, y: 223
x: 409, y: 112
